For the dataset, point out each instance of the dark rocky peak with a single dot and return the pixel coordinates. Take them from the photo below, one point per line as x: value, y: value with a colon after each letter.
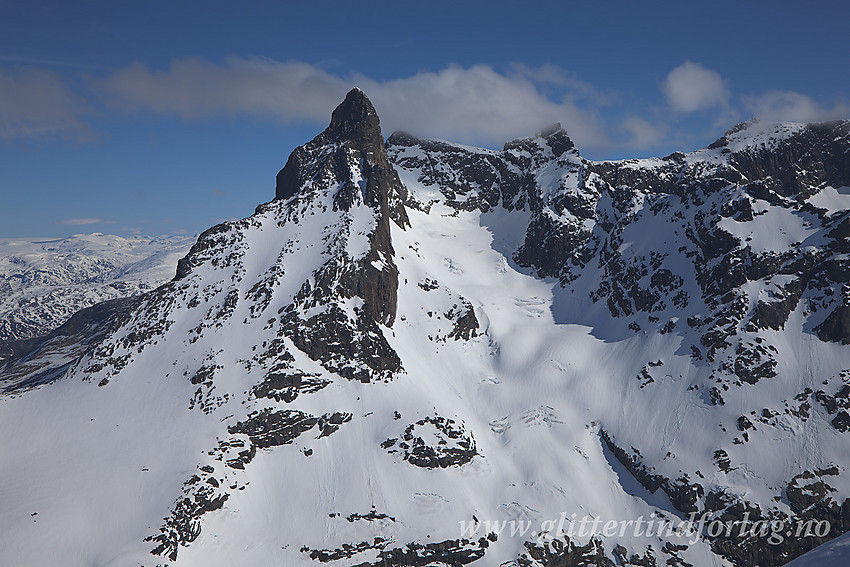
x: 557, y: 139
x: 351, y: 153
x: 346, y: 167
x: 553, y: 136
x: 355, y: 119
x: 403, y: 139
x: 348, y: 163
x: 741, y: 126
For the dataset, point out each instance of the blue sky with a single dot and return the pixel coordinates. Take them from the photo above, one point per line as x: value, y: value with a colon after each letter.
x: 167, y: 117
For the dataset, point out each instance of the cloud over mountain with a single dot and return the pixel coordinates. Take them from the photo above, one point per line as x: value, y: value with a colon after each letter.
x: 475, y: 104
x: 690, y: 87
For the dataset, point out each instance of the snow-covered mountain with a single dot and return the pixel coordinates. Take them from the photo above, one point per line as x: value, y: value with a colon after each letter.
x: 45, y: 281
x: 422, y: 353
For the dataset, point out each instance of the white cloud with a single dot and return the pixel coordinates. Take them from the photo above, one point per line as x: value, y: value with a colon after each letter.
x: 196, y: 88
x: 475, y: 104
x: 642, y: 134
x: 86, y: 221
x: 788, y: 106
x: 690, y: 87
x: 36, y: 102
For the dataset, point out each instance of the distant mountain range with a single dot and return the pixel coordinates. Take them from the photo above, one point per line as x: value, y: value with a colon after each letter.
x: 422, y: 353
x: 45, y: 281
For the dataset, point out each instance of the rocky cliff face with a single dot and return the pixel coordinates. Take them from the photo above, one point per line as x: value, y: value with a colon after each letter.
x: 418, y: 348
x: 350, y: 159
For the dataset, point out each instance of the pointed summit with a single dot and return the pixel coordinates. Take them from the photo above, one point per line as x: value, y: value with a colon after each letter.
x: 355, y: 118
x: 553, y: 136
x: 347, y: 164
x: 354, y: 132
x: 557, y: 139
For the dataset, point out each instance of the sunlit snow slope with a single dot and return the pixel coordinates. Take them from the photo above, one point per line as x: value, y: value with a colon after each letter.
x: 836, y: 553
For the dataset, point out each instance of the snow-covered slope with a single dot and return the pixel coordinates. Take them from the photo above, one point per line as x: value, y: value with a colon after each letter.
x: 429, y: 354
x: 43, y: 282
x: 836, y: 553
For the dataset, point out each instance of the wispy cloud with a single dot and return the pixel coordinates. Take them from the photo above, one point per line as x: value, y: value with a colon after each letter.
x: 36, y: 103
x: 577, y: 89
x: 85, y: 221
x: 641, y: 133
x: 196, y: 88
x: 478, y: 104
x: 788, y: 106
x: 474, y: 104
x: 690, y: 87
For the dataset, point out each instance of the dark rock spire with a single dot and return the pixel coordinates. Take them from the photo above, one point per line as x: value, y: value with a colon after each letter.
x: 354, y: 130
x: 355, y: 119
x: 553, y: 136
x: 350, y: 159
